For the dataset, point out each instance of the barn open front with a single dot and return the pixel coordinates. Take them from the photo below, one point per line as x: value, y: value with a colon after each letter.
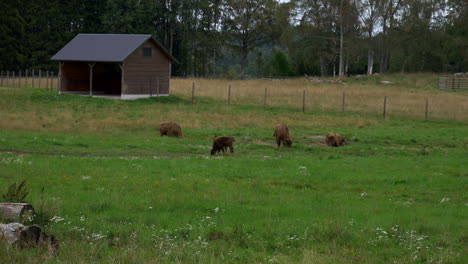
x: 106, y: 78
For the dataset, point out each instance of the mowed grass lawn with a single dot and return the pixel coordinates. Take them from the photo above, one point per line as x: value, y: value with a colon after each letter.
x: 116, y: 192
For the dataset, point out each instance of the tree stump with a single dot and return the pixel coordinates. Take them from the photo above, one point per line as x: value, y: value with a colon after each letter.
x: 15, y: 211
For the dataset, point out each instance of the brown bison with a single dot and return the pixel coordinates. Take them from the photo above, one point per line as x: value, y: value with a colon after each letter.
x: 221, y: 144
x: 335, y: 140
x: 170, y: 129
x: 282, y: 135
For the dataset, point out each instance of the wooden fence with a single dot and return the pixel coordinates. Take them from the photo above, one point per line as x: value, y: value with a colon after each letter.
x: 452, y: 83
x: 29, y: 78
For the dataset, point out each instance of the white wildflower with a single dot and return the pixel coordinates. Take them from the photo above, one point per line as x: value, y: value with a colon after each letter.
x: 444, y: 200
x: 57, y: 219
x: 97, y: 236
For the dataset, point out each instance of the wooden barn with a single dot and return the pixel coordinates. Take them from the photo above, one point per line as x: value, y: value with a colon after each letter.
x: 125, y: 66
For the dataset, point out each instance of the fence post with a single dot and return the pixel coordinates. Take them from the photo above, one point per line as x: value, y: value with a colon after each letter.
x: 453, y: 82
x: 157, y: 86
x: 32, y: 78
x: 229, y: 95
x: 26, y: 78
x: 150, y: 88
x: 344, y: 103
x: 1, y: 80
x: 47, y: 80
x: 385, y: 108
x: 40, y: 78
x: 303, y: 101
x: 8, y: 78
x: 427, y: 109
x: 265, y: 98
x: 52, y: 80
x: 13, y: 79
x: 19, y: 79
x: 193, y: 91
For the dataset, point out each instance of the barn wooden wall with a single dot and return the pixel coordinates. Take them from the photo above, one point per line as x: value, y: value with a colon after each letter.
x: 140, y: 71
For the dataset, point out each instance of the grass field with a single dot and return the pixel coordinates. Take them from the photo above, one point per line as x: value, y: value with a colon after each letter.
x: 117, y: 192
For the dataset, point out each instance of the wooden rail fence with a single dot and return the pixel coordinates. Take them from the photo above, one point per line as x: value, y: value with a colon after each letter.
x: 29, y: 78
x: 452, y: 83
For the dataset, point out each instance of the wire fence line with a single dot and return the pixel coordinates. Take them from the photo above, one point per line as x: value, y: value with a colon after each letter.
x: 387, y: 103
x: 303, y: 97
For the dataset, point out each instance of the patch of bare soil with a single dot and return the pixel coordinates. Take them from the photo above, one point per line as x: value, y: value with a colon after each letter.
x: 320, y: 144
x: 319, y: 137
x: 263, y: 143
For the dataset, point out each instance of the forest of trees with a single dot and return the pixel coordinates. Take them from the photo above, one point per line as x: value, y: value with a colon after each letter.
x: 253, y: 38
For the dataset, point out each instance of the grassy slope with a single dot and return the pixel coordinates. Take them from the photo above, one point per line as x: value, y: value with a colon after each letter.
x: 377, y: 200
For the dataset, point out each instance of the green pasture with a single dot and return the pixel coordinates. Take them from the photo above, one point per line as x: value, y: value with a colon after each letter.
x: 397, y: 193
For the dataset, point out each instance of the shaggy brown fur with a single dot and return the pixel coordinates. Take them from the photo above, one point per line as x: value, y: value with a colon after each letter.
x: 170, y: 129
x: 221, y: 144
x: 32, y: 236
x: 282, y: 135
x: 335, y: 140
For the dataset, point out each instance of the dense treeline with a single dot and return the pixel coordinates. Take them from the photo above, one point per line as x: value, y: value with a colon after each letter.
x: 233, y: 38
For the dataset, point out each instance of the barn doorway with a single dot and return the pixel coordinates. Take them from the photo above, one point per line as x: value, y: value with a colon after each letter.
x: 107, y: 78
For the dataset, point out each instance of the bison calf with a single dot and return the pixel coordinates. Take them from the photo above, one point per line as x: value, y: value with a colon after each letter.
x: 170, y: 129
x: 282, y: 135
x: 221, y: 144
x: 335, y: 140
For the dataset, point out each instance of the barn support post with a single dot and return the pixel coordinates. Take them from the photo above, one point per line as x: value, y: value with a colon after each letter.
x: 122, y: 79
x: 32, y: 78
x: 91, y: 66
x: 59, y: 77
x: 385, y: 108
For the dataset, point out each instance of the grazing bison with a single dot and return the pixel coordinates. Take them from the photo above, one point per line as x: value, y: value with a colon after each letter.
x: 221, y: 144
x: 170, y: 129
x: 282, y: 135
x: 335, y: 140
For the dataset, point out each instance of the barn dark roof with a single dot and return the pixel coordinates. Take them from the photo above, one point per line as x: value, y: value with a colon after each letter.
x: 105, y: 47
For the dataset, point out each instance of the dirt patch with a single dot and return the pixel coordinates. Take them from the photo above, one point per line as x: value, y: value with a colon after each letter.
x: 263, y: 143
x: 320, y: 144
x: 318, y: 137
